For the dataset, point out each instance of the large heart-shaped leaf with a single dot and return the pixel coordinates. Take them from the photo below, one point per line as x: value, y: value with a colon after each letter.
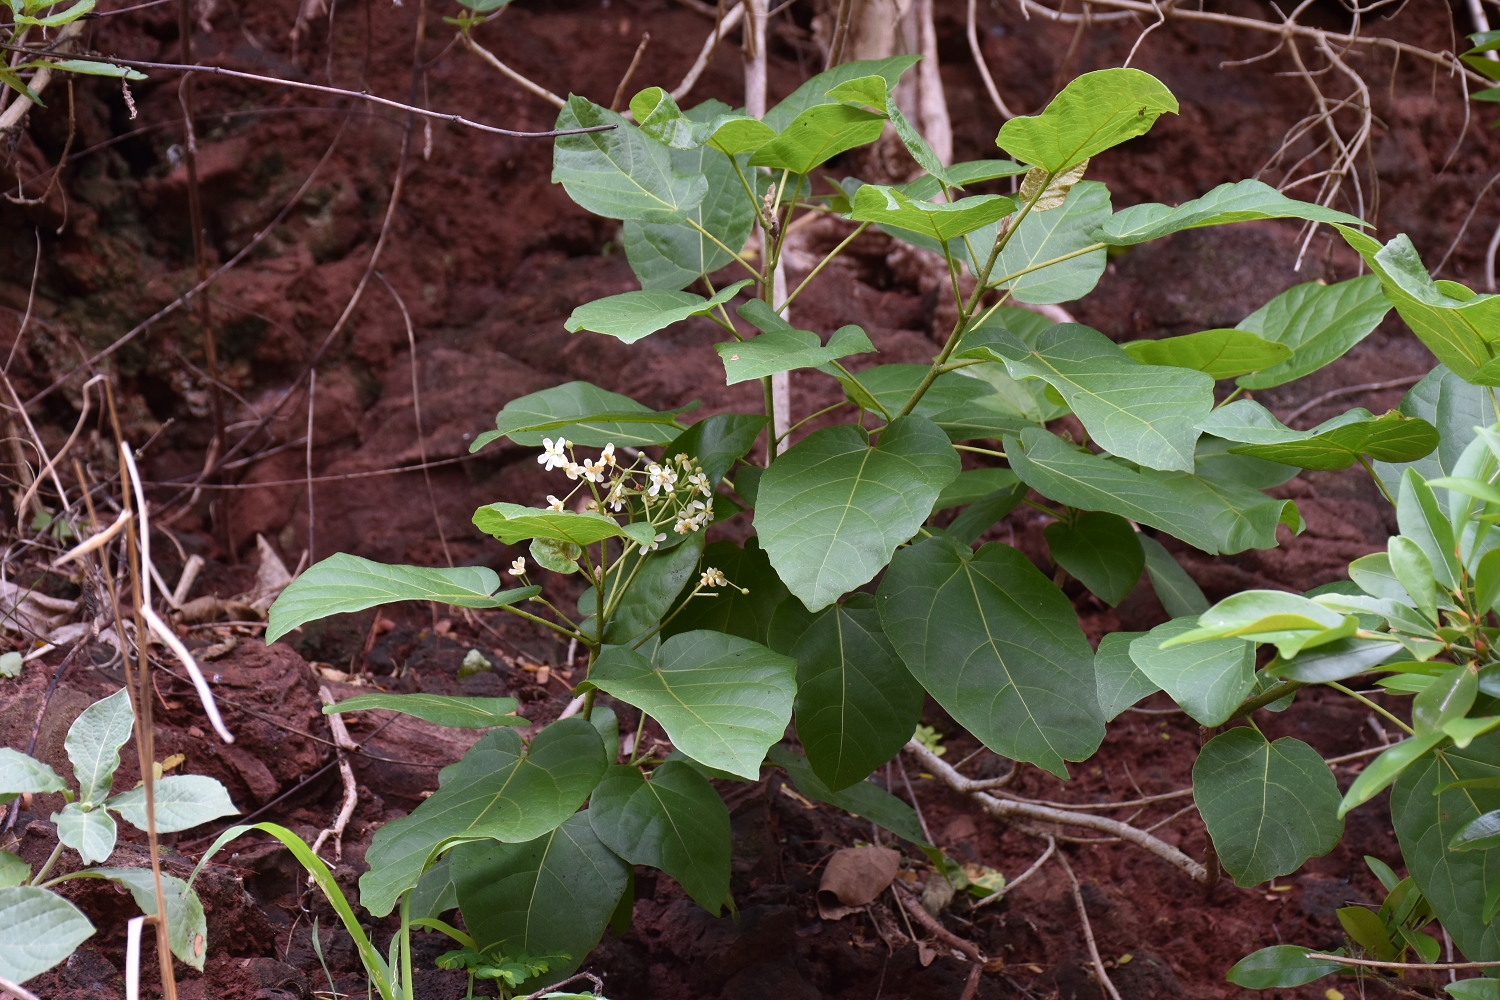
x: 182, y: 801
x: 857, y: 704
x: 20, y: 773
x: 673, y: 820
x: 1241, y: 201
x: 1268, y: 806
x: 500, y: 790
x: 549, y: 896
x: 583, y: 414
x: 343, y: 583
x: 1209, y: 679
x: 939, y: 221
x: 722, y: 699
x: 1118, y: 679
x: 41, y: 930
x: 1318, y: 322
x: 1094, y: 112
x: 620, y: 173
x: 832, y: 509
x: 1459, y: 330
x: 998, y: 646
x: 1146, y: 413
x: 632, y: 315
x: 441, y: 710
x: 93, y: 744
x: 1213, y: 513
x: 1219, y: 353
x: 187, y: 927
x: 1101, y: 551
x: 1334, y: 444
x: 730, y: 610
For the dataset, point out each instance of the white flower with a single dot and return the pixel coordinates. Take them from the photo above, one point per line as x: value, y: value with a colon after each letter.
x: 684, y: 525
x: 573, y: 470
x: 554, y: 453
x: 699, y: 481
x: 554, y: 504
x: 592, y: 506
x: 655, y: 544
x: 712, y: 578
x: 616, y: 497
x: 595, y: 472
x: 518, y: 566
x: 607, y: 456
x: 662, y: 479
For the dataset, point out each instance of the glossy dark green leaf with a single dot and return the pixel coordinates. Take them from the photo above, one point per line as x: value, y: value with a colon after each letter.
x: 745, y: 615
x: 1242, y: 201
x: 1219, y: 353
x: 1334, y: 444
x: 1217, y: 515
x: 722, y: 699
x: 620, y: 173
x: 550, y: 896
x: 1101, y: 551
x: 1455, y: 408
x: 1481, y: 834
x: 442, y: 710
x: 630, y: 316
x: 717, y: 442
x: 998, y: 646
x: 984, y: 513
x: 1179, y: 593
x: 652, y: 590
x: 864, y: 798
x: 1387, y: 768
x: 1279, y: 966
x: 500, y: 790
x: 833, y: 509
x: 1119, y: 681
x: 1318, y: 322
x: 1094, y: 112
x: 857, y: 704
x: 672, y: 820
x: 1335, y: 661
x: 1209, y: 679
x: 1268, y: 806
x: 583, y: 414
x: 343, y: 583
x: 1146, y: 413
x: 1450, y: 696
x: 1422, y: 519
x: 974, y: 484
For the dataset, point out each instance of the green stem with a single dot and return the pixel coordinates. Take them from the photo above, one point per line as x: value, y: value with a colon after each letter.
x: 812, y: 416
x: 770, y: 402
x: 1271, y: 694
x: 954, y: 366
x: 48, y: 864
x: 980, y: 451
x: 570, y: 633
x: 749, y: 191
x: 850, y: 376
x: 617, y: 594
x: 640, y: 732
x: 406, y: 976
x: 822, y: 264
x: 1230, y: 398
x: 1372, y: 706
x: 1371, y: 470
x: 1047, y: 263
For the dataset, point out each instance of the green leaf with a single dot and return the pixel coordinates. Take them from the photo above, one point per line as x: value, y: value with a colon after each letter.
x: 1146, y: 413
x: 857, y: 704
x: 559, y: 557
x: 1426, y: 819
x: 963, y: 406
x: 1413, y: 571
x: 940, y: 221
x: 983, y: 514
x: 183, y: 801
x: 787, y: 350
x: 1334, y: 444
x: 1179, y: 593
x: 91, y: 832
x: 1456, y: 330
x: 973, y: 485
x: 651, y: 590
x: 632, y: 315
x: 13, y: 871
x: 998, y: 646
x: 819, y: 134
x: 673, y: 820
x: 717, y: 442
x: 1119, y: 681
x: 441, y: 710
x: 187, y: 927
x: 621, y: 173
x: 20, y: 773
x: 583, y: 414
x: 1481, y: 834
x: 1290, y: 621
x: 1387, y: 768
x: 1094, y: 112
x: 1422, y: 520
x: 862, y: 798
x: 1101, y: 551
x: 1217, y: 515
x: 1219, y: 353
x: 513, y: 523
x: 1367, y: 930
x: 1487, y: 581
x: 657, y: 114
x: 1268, y: 806
x: 1208, y: 679
x: 832, y: 509
x: 41, y: 930
x: 1241, y: 201
x: 92, y: 67
x: 94, y: 742
x: 1318, y: 322
x: 500, y: 790
x: 435, y: 893
x: 745, y: 615
x: 1478, y: 988
x: 1045, y: 236
x: 549, y: 896
x: 1449, y: 697
x: 73, y: 13
x: 1335, y: 661
x: 1279, y: 966
x: 721, y: 699
x: 816, y: 90
x: 343, y: 583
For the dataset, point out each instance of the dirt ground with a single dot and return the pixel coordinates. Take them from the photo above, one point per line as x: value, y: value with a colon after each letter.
x: 488, y: 258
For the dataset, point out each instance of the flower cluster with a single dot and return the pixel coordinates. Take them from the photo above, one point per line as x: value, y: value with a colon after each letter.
x: 675, y: 491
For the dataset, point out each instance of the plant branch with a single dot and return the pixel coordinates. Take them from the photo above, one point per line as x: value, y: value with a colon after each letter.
x: 527, y: 85
x: 822, y: 264
x: 1088, y: 930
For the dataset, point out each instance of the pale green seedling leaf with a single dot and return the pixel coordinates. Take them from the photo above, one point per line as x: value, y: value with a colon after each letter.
x: 343, y: 583
x: 13, y: 871
x: 1268, y: 806
x: 41, y: 930
x: 187, y: 927
x: 93, y: 744
x: 20, y: 773
x: 1219, y: 353
x: 1387, y: 768
x: 1094, y: 112
x: 1241, y: 201
x: 91, y: 832
x: 183, y: 801
x: 632, y: 315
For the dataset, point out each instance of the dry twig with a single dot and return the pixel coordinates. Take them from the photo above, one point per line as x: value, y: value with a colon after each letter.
x: 1088, y: 930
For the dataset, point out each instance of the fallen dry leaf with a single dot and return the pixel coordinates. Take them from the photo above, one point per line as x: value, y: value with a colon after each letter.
x: 854, y: 877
